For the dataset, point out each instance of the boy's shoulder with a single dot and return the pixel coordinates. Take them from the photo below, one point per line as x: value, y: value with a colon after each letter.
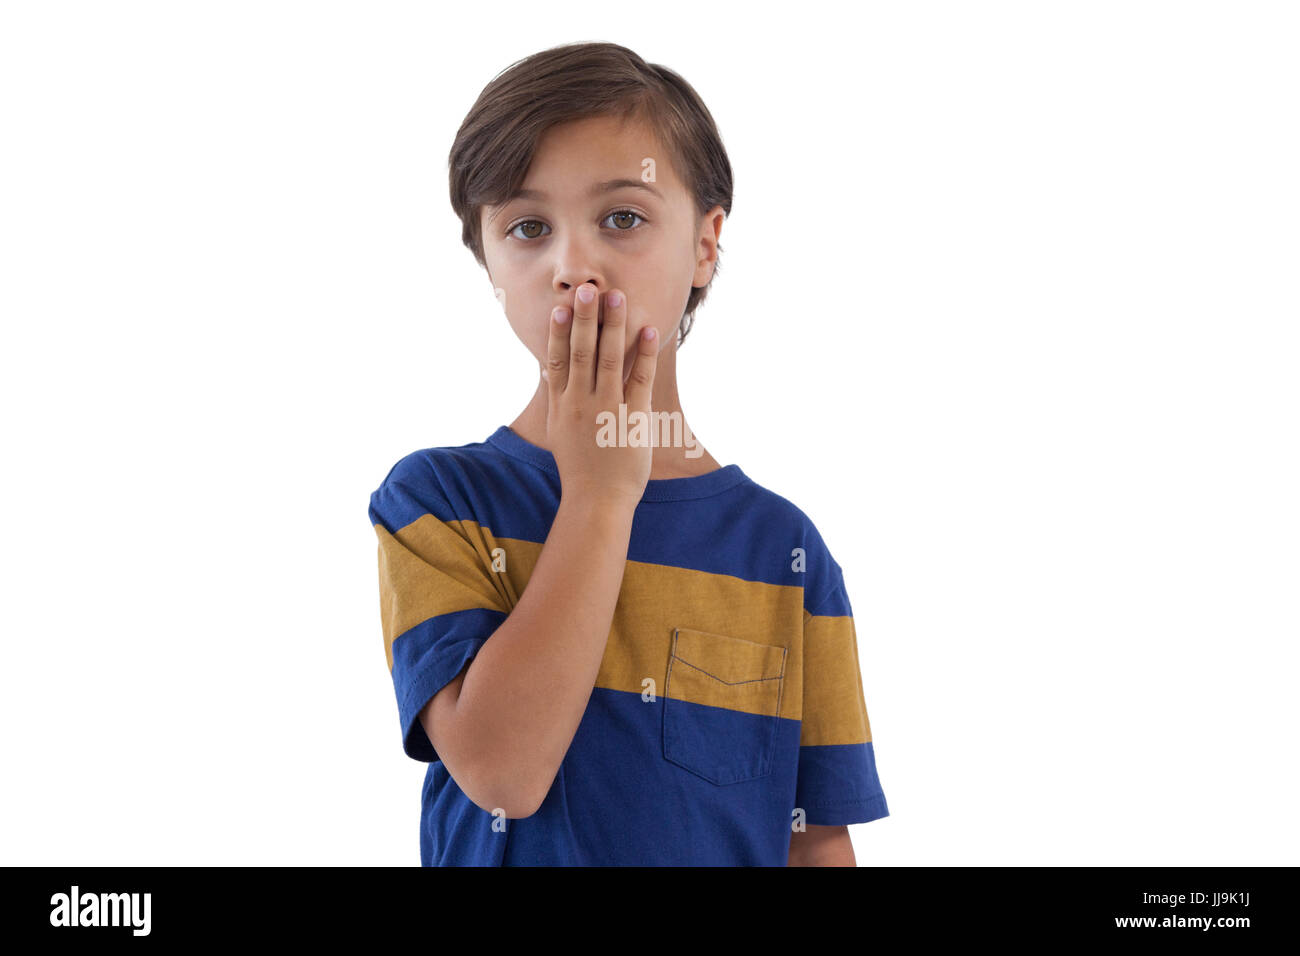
x: 424, y: 464
x: 418, y: 482
x: 772, y: 506
x: 771, y: 517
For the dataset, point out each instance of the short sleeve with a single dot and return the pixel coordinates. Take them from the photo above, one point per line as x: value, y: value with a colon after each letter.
x: 837, y: 781
x: 438, y: 599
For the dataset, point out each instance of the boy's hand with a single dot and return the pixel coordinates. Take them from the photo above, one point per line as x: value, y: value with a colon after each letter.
x: 585, y: 378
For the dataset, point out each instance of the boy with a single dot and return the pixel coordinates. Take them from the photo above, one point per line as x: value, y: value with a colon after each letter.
x: 609, y: 648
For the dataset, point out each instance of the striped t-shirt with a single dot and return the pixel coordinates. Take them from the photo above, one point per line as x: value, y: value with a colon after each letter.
x: 728, y: 708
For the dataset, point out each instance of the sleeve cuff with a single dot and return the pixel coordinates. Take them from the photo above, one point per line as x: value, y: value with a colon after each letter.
x: 842, y: 814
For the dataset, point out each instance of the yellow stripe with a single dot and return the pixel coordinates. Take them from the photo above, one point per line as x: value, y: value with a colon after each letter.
x: 837, y: 713
x: 729, y: 631
x: 429, y: 568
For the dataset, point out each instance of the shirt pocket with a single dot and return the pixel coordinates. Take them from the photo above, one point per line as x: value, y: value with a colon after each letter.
x: 722, y: 703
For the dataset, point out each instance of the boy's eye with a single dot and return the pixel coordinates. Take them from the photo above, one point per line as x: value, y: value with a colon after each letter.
x: 623, y: 214
x: 525, y: 225
x: 624, y: 221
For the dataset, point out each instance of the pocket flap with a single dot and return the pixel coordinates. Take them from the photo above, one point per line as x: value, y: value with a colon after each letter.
x: 730, y: 660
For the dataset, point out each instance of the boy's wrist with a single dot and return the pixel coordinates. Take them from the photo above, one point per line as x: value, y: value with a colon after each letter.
x: 615, y: 510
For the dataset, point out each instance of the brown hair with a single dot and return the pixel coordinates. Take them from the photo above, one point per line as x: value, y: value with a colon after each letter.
x: 497, y: 140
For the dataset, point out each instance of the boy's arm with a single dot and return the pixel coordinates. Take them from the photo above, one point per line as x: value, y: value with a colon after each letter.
x: 524, y: 694
x: 822, y: 846
x: 508, y: 720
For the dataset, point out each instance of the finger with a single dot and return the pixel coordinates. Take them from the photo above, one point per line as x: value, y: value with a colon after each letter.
x: 640, y: 381
x: 557, y: 351
x: 582, y: 340
x: 609, y: 362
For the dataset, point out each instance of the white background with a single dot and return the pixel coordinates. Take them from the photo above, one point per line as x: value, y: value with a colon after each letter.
x: 1008, y: 305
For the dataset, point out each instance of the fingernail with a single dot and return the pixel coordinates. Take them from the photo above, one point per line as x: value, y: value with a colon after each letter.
x: 561, y: 316
x: 586, y: 294
x: 615, y: 300
x: 650, y: 333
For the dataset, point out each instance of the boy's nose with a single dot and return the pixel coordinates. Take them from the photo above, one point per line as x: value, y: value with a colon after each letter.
x: 568, y: 282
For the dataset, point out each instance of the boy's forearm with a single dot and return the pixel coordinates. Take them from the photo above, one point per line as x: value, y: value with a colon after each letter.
x: 526, y: 691
x: 822, y: 846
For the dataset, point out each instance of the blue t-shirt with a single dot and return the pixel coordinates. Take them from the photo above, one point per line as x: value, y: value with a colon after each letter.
x: 728, y: 705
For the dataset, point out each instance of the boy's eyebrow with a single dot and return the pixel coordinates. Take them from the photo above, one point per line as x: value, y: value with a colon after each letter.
x: 608, y: 186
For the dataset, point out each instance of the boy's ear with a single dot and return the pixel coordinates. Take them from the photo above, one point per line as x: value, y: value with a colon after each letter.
x: 710, y: 231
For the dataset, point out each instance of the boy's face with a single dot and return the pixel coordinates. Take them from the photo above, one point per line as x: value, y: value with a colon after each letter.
x: 643, y: 238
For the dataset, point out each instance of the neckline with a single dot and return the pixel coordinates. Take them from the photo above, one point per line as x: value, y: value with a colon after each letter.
x: 656, y: 489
